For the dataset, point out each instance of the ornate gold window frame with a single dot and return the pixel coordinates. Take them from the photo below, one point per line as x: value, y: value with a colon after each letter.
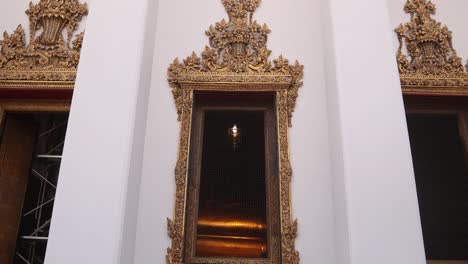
x: 236, y: 61
x: 37, y: 74
x: 430, y: 67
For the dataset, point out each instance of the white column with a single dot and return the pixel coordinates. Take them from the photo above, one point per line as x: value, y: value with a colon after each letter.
x: 94, y: 217
x: 376, y: 209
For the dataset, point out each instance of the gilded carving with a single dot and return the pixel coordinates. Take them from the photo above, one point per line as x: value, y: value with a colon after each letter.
x: 288, y: 225
x: 49, y: 60
x: 237, y: 53
x: 176, y: 227
x: 431, y: 60
x: 237, y: 59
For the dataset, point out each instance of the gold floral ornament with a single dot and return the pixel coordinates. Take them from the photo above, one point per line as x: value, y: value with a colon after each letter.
x: 431, y: 61
x: 236, y: 60
x: 49, y: 60
x: 238, y: 49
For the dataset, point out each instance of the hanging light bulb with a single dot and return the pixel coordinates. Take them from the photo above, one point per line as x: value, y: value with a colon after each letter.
x: 235, y: 133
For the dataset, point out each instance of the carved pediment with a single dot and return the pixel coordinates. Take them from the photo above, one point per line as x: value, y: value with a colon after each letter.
x: 431, y: 60
x: 50, y: 59
x: 237, y: 55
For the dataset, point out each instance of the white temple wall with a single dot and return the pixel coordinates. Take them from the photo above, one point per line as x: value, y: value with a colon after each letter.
x: 353, y: 189
x: 376, y: 210
x: 449, y: 12
x: 95, y: 212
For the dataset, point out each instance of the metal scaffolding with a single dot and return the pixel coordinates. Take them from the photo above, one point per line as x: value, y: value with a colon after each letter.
x: 40, y: 195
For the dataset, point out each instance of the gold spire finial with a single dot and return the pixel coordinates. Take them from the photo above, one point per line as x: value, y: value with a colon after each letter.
x: 49, y: 60
x: 238, y: 46
x: 429, y: 44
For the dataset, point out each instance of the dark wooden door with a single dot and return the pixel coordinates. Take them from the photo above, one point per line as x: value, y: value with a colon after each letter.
x: 16, y: 151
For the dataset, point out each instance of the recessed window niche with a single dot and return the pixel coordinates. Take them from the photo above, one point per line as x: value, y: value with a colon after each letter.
x: 438, y: 143
x: 233, y: 174
x: 438, y: 133
x: 233, y: 179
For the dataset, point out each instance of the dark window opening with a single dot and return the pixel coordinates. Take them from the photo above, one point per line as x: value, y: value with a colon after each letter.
x: 442, y: 183
x: 232, y: 199
x: 30, y: 154
x: 233, y: 207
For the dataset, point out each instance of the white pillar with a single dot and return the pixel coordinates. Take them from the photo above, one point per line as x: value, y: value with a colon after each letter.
x: 376, y: 209
x: 94, y: 218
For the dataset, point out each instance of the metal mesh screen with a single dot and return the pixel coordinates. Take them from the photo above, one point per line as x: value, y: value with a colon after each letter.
x: 232, y: 200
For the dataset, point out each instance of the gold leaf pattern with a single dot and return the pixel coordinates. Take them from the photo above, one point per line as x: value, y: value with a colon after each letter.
x: 431, y: 59
x: 49, y: 60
